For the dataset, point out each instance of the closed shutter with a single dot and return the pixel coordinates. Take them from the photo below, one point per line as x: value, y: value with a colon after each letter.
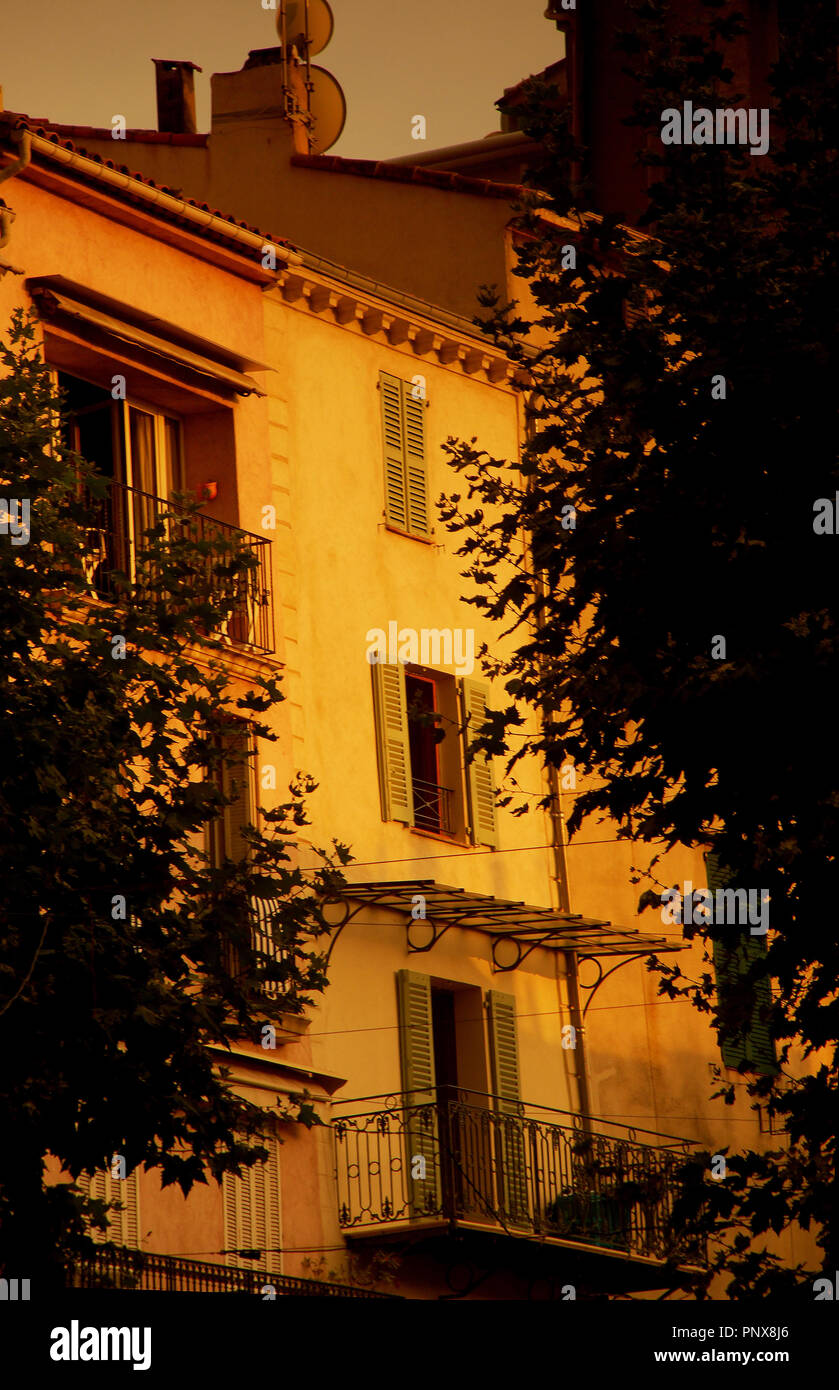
x: 396, y: 504
x: 406, y: 467
x: 224, y: 834
x: 124, y: 1225
x: 416, y: 1048
x: 504, y: 1055
x: 416, y: 467
x: 252, y: 1212
x: 754, y: 1048
x: 237, y: 784
x: 391, y: 709
x: 479, y: 778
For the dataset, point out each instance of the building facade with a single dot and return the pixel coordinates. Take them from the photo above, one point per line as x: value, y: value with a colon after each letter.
x: 506, y: 1102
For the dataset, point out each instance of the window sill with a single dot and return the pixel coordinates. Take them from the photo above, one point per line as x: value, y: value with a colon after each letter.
x: 439, y: 835
x: 409, y: 535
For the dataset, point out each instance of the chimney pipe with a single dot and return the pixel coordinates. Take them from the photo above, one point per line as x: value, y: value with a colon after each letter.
x: 175, y: 96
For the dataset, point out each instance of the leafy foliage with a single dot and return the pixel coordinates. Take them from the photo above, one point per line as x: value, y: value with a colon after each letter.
x: 693, y: 519
x: 125, y: 952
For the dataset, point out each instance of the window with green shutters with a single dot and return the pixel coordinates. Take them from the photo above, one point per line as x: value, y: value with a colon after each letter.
x: 406, y: 468
x: 734, y: 955
x: 464, y: 805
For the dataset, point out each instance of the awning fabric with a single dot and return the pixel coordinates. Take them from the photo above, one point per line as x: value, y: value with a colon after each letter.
x: 54, y: 304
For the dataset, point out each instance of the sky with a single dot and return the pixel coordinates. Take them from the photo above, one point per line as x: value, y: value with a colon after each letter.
x: 84, y: 61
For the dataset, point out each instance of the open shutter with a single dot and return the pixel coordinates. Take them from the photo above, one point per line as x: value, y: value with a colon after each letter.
x: 504, y: 1055
x: 396, y: 504
x: 416, y: 1048
x: 416, y: 466
x: 252, y: 1212
x: 391, y: 708
x: 754, y: 1048
x: 479, y: 778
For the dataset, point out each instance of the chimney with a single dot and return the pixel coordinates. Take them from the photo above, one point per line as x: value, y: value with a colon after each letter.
x: 175, y: 96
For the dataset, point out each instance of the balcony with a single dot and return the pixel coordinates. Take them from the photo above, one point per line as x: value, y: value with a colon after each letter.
x: 138, y: 1271
x: 432, y: 807
x: 115, y: 543
x: 475, y: 1162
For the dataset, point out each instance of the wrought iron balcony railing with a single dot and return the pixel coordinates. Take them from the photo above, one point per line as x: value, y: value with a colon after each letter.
x: 115, y: 541
x: 432, y: 806
x: 527, y: 1170
x: 136, y: 1270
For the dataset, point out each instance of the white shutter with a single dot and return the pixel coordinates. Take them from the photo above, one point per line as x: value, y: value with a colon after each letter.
x: 124, y: 1226
x: 252, y: 1212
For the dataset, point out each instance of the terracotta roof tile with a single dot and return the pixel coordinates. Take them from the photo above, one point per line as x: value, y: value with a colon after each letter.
x: 89, y: 132
x: 409, y: 173
x: 52, y: 133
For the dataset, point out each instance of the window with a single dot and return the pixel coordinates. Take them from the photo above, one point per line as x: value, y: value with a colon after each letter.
x: 429, y: 778
x: 251, y: 1206
x: 406, y: 470
x: 225, y: 840
x: 140, y: 451
x: 754, y: 1049
x: 130, y: 444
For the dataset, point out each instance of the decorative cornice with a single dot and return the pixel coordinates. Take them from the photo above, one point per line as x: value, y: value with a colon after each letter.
x: 399, y: 324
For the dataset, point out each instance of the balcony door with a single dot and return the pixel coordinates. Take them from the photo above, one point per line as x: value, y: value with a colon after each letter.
x: 472, y: 1141
x: 137, y: 449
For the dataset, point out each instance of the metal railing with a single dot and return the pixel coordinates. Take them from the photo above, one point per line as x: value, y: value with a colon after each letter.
x: 432, y: 806
x: 487, y: 1161
x: 115, y: 541
x: 138, y: 1271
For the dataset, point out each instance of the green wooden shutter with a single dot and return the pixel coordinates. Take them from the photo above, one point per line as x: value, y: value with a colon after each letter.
x: 406, y: 466
x: 416, y: 466
x: 252, y: 1212
x: 504, y: 1055
x: 393, y: 432
x: 479, y: 778
x: 391, y: 709
x: 754, y: 1049
x: 237, y: 784
x: 416, y: 1049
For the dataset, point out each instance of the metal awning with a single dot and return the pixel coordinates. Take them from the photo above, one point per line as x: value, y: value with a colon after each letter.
x: 516, y: 928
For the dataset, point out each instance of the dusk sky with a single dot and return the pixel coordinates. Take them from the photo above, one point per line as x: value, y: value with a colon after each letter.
x: 87, y: 60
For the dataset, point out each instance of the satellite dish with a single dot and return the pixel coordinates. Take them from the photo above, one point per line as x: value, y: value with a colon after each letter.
x: 328, y: 109
x: 318, y: 31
